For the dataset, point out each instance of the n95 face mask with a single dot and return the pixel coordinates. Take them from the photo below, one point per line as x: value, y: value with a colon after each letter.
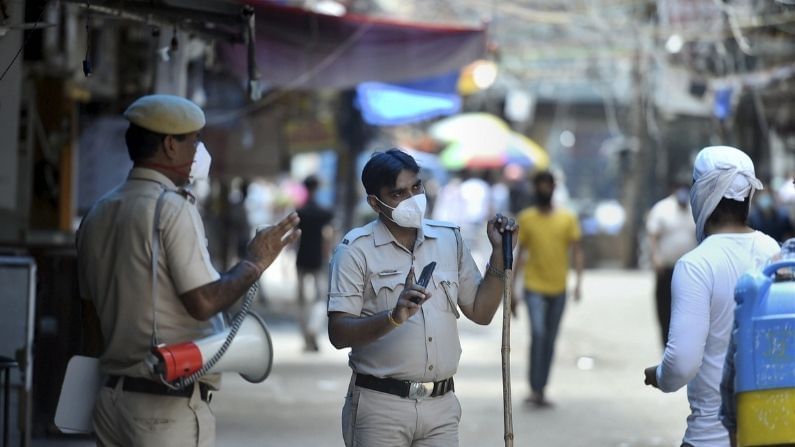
x: 200, y: 169
x: 408, y: 213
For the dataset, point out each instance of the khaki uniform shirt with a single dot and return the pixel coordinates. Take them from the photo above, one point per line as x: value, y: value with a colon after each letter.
x: 114, y: 249
x: 368, y: 271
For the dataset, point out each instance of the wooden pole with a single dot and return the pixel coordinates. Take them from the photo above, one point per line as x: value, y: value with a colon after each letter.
x: 507, y: 259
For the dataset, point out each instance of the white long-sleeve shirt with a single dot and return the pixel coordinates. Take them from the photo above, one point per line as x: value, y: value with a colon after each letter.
x: 702, y: 316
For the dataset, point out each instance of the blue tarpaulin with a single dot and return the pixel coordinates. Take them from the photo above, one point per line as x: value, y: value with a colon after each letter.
x: 394, y: 104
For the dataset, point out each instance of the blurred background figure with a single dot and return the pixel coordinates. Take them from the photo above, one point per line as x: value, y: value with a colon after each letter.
x: 475, y: 207
x: 768, y: 217
x: 311, y: 263
x: 672, y: 233
x: 520, y: 192
x: 546, y: 235
x: 237, y: 223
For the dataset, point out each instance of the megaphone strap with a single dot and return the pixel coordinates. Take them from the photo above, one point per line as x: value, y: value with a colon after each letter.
x: 155, y: 259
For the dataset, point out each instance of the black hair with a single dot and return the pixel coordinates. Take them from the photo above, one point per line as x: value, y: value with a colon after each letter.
x: 728, y: 212
x: 383, y: 169
x: 311, y: 183
x: 143, y: 143
x: 543, y: 177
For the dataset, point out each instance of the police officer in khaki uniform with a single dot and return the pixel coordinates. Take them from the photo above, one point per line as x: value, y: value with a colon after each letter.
x: 403, y: 337
x: 115, y: 255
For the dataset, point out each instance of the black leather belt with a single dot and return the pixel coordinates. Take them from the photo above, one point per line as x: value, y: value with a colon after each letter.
x: 140, y: 385
x: 405, y: 388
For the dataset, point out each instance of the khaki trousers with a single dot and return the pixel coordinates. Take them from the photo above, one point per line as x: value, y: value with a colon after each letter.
x: 128, y: 419
x: 374, y: 419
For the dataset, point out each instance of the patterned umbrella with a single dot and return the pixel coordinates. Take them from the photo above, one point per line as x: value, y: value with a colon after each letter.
x: 482, y: 140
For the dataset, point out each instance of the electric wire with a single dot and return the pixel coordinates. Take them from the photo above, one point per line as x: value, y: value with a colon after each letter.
x: 24, y: 43
x: 304, y: 77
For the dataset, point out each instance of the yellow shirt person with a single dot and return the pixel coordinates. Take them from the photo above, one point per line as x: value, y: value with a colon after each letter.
x: 547, y: 237
x: 546, y: 234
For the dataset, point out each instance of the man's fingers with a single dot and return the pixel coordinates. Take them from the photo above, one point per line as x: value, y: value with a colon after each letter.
x: 410, y: 280
x: 291, y: 237
x: 282, y: 227
x: 290, y: 221
x: 286, y: 224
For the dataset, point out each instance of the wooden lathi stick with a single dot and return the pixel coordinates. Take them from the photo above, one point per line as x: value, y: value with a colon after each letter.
x: 507, y: 262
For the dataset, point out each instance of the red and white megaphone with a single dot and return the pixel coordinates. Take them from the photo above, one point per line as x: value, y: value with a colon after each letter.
x: 250, y: 353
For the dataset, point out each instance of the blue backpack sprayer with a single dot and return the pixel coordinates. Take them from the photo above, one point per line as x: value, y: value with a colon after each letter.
x: 765, y: 358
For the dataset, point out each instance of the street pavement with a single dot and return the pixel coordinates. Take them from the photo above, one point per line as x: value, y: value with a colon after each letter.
x: 596, y: 383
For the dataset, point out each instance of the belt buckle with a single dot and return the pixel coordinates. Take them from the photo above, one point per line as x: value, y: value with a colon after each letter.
x: 420, y: 390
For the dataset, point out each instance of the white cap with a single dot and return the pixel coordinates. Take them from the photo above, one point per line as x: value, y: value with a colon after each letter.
x: 166, y: 114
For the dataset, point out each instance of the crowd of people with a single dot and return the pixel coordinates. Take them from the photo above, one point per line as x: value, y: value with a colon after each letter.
x: 401, y: 328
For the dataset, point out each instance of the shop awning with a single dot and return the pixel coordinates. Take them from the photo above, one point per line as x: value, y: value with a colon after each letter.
x: 301, y: 49
x: 409, y: 102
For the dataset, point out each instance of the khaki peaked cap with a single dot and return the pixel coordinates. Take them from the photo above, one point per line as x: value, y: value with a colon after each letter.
x: 166, y: 114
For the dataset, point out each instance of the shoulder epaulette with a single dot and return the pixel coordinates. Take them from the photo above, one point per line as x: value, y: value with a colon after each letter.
x: 440, y: 223
x: 188, y: 194
x: 357, y: 233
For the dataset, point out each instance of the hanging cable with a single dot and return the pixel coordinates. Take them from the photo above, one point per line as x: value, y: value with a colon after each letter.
x: 174, y: 45
x: 25, y: 42
x: 86, y: 62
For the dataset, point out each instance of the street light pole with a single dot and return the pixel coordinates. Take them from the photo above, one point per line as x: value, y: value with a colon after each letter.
x: 638, y: 157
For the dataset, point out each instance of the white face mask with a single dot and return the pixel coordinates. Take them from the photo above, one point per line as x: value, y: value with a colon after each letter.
x: 408, y: 213
x: 200, y: 169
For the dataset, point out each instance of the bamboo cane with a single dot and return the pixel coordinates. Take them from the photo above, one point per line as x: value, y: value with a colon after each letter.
x: 507, y: 262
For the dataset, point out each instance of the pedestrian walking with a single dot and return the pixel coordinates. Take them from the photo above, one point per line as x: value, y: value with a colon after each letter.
x: 311, y: 262
x: 403, y: 334
x: 672, y: 233
x: 124, y: 271
x: 702, y: 313
x: 547, y: 235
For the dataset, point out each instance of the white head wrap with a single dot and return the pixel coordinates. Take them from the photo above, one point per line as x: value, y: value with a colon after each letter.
x: 718, y: 172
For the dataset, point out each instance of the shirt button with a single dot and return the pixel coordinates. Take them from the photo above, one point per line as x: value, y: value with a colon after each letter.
x: 430, y: 368
x: 430, y: 338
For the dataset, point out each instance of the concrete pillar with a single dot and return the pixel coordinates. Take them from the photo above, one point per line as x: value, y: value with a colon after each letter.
x: 10, y: 96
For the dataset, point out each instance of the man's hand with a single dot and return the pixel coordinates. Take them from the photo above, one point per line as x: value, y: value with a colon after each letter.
x: 269, y: 241
x: 651, y: 376
x: 497, y: 226
x: 410, y: 299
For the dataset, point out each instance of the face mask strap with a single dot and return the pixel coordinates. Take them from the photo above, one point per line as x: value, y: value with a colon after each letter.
x: 384, y: 204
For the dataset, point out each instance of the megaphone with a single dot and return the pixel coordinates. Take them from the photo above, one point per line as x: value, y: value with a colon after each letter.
x: 250, y: 353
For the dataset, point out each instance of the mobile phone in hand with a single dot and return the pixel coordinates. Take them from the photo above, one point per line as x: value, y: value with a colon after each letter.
x: 425, y: 277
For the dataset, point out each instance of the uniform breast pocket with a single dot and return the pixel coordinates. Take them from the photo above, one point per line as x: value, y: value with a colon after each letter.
x: 446, y: 294
x: 387, y: 289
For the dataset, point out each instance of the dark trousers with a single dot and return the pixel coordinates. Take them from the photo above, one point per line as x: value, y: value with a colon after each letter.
x: 545, y: 315
x: 663, y: 298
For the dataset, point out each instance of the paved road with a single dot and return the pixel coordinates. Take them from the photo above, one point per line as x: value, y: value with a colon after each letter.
x: 596, y: 384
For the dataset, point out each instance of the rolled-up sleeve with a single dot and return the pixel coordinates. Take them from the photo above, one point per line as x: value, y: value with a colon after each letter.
x: 185, y: 246
x: 690, y: 299
x: 346, y: 281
